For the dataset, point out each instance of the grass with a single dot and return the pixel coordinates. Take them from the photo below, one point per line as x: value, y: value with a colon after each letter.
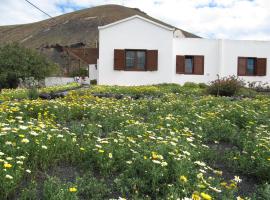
x: 179, y: 143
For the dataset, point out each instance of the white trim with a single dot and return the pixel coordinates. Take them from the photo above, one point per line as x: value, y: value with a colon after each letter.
x: 133, y: 17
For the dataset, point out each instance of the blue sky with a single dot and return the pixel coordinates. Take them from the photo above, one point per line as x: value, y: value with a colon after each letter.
x: 229, y: 19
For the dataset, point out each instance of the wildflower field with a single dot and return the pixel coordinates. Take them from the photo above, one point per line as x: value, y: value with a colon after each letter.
x: 156, y: 142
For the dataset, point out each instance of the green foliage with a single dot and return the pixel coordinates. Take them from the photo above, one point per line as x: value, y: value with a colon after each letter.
x: 190, y: 85
x: 149, y: 148
x: 23, y: 93
x: 227, y: 86
x: 263, y: 192
x: 33, y: 93
x: 18, y: 62
x: 30, y: 192
x: 91, y: 188
x: 203, y: 85
x: 93, y: 82
x: 246, y: 92
x: 80, y: 72
x: 55, y: 190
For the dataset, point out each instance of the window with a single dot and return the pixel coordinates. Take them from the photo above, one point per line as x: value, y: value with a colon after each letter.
x: 189, y: 64
x: 248, y: 66
x: 135, y: 60
x: 251, y: 66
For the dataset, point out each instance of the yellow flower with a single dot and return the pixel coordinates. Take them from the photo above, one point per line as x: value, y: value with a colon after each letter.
x: 268, y: 159
x: 25, y: 140
x: 154, y: 155
x: 110, y: 155
x: 223, y: 184
x: 73, y: 189
x: 196, y: 196
x: 219, y: 173
x: 201, y: 186
x: 7, y: 165
x: 239, y: 198
x: 183, y: 179
x: 206, y: 196
x: 232, y: 186
x: 144, y: 157
x: 101, y: 151
x: 82, y: 149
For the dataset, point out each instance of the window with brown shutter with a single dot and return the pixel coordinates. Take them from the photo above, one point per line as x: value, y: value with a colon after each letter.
x: 119, y: 59
x: 135, y: 60
x: 198, y: 65
x: 251, y: 66
x: 190, y: 65
x: 242, y: 65
x: 180, y: 64
x: 152, y: 60
x: 261, y: 66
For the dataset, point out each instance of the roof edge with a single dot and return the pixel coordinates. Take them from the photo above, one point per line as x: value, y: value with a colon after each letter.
x: 133, y: 17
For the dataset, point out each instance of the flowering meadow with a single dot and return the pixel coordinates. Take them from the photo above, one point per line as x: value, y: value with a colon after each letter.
x: 22, y: 93
x: 156, y: 142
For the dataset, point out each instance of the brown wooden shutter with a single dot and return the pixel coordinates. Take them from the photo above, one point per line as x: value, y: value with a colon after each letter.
x: 199, y: 65
x: 180, y: 64
x: 242, y: 66
x: 119, y: 59
x: 261, y: 66
x: 152, y: 60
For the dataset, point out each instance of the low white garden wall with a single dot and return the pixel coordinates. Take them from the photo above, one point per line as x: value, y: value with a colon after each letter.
x: 53, y: 81
x: 93, y: 72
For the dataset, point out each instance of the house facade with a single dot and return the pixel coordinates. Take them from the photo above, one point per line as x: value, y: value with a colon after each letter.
x: 138, y: 51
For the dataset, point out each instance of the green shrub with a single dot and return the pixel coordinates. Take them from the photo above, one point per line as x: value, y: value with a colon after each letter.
x: 247, y: 92
x: 93, y: 82
x: 33, y: 93
x: 81, y: 72
x: 18, y: 62
x: 191, y: 85
x: 227, y: 86
x: 203, y: 85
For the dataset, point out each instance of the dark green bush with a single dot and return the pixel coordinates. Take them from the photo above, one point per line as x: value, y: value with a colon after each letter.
x: 227, y: 86
x: 93, y: 82
x: 18, y: 62
x: 81, y: 72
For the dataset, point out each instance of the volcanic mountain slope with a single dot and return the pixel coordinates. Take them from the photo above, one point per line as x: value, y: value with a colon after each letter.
x: 76, y: 27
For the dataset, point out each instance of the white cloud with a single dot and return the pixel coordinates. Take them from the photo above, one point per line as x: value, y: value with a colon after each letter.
x: 234, y: 19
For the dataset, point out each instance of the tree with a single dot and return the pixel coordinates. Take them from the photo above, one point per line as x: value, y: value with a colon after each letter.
x: 19, y: 62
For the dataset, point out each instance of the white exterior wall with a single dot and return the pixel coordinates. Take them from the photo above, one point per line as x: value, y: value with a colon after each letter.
x: 196, y: 46
x: 232, y: 49
x: 220, y: 56
x: 135, y: 34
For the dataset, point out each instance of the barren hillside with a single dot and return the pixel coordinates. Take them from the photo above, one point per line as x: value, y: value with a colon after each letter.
x: 76, y: 27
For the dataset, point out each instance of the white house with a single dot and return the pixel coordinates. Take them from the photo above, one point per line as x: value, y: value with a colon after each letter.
x: 139, y: 51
